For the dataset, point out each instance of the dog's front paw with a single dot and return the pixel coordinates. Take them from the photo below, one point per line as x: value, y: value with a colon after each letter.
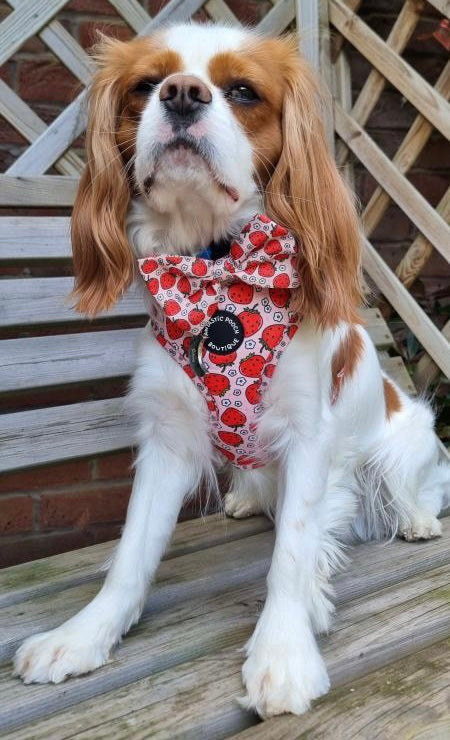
x: 51, y: 657
x: 422, y: 526
x: 283, y: 676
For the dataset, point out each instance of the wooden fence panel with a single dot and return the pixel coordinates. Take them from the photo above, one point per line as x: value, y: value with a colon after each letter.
x: 392, y: 184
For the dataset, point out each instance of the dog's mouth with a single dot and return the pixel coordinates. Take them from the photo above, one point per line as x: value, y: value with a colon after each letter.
x: 187, y: 153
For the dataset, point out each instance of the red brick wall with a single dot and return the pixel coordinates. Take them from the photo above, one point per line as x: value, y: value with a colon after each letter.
x: 60, y: 507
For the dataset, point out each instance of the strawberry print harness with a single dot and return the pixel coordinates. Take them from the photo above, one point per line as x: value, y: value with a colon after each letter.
x: 227, y: 322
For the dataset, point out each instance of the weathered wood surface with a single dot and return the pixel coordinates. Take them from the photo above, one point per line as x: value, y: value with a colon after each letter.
x: 178, y: 673
x: 427, y: 333
x: 26, y: 302
x: 70, y: 358
x: 407, y: 699
x: 375, y: 83
x: 416, y: 207
x: 391, y: 65
x: 24, y: 22
x: 35, y: 238
x: 63, y: 432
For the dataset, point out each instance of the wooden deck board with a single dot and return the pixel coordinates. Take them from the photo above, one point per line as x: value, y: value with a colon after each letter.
x: 392, y: 600
x: 407, y: 699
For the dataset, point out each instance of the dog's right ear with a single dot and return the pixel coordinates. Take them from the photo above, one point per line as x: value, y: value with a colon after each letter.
x: 102, y: 258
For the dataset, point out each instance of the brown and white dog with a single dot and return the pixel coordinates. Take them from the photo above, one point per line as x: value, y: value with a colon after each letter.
x: 191, y: 132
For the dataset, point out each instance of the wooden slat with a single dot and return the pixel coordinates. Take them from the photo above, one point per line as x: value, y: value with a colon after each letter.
x: 442, y: 5
x: 426, y: 370
x: 278, y: 18
x: 377, y: 328
x: 392, y: 66
x: 21, y: 117
x: 35, y: 237
x: 64, y: 46
x: 399, y: 188
x: 47, y: 302
x: 219, y: 11
x: 63, y: 433
x: 132, y: 12
x: 405, y: 156
x: 53, y: 574
x: 405, y: 305
x: 174, y: 10
x: 420, y: 251
x: 407, y: 699
x: 37, y: 362
x: 395, y: 368
x: 308, y: 30
x: 373, y: 566
x: 374, y: 85
x: 43, y: 191
x: 24, y: 22
x: 397, y: 621
x: 53, y: 142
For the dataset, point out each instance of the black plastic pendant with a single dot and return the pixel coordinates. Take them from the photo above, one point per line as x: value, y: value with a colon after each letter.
x: 223, y: 333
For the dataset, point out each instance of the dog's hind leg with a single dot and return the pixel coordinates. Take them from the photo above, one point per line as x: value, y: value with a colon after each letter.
x: 251, y: 492
x: 415, y: 485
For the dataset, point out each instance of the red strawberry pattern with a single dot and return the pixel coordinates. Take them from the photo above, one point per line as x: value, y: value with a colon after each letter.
x: 149, y: 266
x: 240, y: 293
x: 255, y: 281
x: 223, y: 361
x: 195, y: 316
x: 280, y: 297
x: 233, y: 418
x: 171, y: 307
x: 272, y: 336
x: 251, y: 320
x: 231, y: 438
x: 168, y: 280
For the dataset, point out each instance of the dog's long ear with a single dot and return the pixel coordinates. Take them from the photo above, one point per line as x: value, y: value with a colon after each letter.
x: 307, y: 194
x: 102, y: 258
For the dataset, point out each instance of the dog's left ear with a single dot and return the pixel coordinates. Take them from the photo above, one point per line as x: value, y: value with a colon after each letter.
x: 307, y: 194
x: 102, y: 257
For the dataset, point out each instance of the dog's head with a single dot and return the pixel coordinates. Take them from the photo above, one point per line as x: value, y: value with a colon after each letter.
x: 203, y: 126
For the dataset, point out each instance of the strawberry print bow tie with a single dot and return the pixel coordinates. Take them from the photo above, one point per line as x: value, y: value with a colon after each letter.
x: 189, y: 288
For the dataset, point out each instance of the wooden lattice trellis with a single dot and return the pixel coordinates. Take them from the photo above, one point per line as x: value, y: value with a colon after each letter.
x: 432, y: 113
x: 27, y: 184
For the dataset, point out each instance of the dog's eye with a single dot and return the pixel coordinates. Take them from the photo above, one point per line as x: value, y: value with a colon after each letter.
x: 146, y: 86
x: 242, y: 93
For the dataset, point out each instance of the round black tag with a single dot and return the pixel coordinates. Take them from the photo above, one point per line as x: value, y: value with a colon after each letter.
x: 223, y: 333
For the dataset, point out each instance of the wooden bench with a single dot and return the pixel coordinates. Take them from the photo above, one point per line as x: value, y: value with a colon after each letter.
x: 177, y: 674
x: 102, y: 350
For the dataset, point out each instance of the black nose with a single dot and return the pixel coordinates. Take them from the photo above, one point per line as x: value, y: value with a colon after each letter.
x: 184, y: 94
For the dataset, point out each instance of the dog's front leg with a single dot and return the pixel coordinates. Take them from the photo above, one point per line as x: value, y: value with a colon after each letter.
x: 284, y: 670
x: 172, y: 456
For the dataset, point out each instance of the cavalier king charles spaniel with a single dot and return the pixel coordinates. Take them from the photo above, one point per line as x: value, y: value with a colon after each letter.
x: 209, y: 179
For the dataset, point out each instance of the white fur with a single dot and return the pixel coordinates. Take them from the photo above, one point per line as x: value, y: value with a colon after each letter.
x: 336, y: 469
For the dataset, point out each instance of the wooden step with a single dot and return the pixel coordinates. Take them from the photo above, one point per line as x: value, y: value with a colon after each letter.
x: 391, y: 601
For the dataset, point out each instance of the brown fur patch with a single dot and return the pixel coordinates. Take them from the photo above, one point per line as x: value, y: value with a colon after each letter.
x: 103, y: 261
x: 257, y: 64
x: 345, y: 360
x: 391, y: 398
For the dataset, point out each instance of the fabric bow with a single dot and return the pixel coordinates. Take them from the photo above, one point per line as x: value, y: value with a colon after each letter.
x: 188, y: 288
